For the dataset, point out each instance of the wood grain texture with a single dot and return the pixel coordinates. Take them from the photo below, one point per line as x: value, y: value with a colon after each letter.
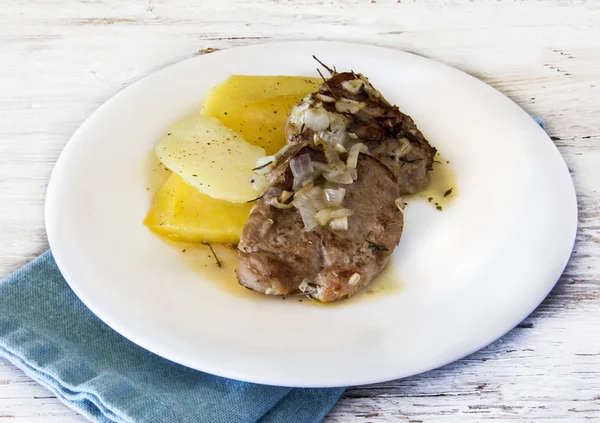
x: 61, y: 59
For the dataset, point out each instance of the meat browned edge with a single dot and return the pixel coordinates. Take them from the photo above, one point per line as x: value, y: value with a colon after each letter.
x: 277, y: 254
x: 391, y: 136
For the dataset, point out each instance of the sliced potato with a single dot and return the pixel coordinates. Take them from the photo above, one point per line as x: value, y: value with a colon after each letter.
x: 262, y: 122
x: 211, y: 157
x: 180, y: 212
x: 244, y: 88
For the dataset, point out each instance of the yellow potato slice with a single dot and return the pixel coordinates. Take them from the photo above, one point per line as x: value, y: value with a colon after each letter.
x: 258, y: 106
x: 211, y: 157
x: 180, y: 212
x: 262, y: 122
x: 245, y: 88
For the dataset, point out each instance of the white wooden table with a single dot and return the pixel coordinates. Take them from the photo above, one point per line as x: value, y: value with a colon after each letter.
x: 59, y: 60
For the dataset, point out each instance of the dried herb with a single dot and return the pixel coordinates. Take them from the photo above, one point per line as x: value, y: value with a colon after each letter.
x: 256, y: 199
x: 214, y: 255
x: 376, y: 247
x: 373, y: 245
x: 326, y: 85
x: 331, y: 71
x: 263, y: 166
x: 447, y: 193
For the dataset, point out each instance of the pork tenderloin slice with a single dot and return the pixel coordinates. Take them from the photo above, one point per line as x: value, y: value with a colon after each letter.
x: 278, y: 256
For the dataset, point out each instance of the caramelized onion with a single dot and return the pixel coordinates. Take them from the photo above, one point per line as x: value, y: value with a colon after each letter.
x: 273, y: 201
x: 316, y: 118
x: 334, y: 197
x: 345, y: 105
x: 353, y: 86
x: 352, y: 159
x: 400, y: 204
x: 339, y: 224
x: 323, y: 216
x: 307, y: 212
x: 302, y: 169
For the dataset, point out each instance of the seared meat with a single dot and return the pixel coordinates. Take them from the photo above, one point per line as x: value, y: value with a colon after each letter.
x: 357, y: 112
x: 279, y: 256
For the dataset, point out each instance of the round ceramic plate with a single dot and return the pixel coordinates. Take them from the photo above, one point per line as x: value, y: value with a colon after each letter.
x: 465, y: 276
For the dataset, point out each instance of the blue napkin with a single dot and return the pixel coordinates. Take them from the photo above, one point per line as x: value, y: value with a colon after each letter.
x: 48, y: 332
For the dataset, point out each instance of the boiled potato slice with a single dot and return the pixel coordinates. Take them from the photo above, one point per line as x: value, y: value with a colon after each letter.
x: 211, y: 157
x: 180, y: 212
x: 262, y: 122
x: 244, y: 88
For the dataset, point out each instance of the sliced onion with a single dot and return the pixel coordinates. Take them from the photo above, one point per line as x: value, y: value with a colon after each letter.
x: 336, y: 168
x: 331, y: 154
x: 316, y: 197
x: 317, y: 138
x: 323, y: 216
x: 301, y: 166
x: 303, y: 285
x: 302, y: 191
x: 297, y: 113
x: 341, y: 213
x: 343, y: 177
x: 334, y: 197
x: 321, y: 167
x: 345, y: 105
x: 331, y: 137
x: 339, y: 224
x: 307, y: 288
x: 273, y: 201
x: 338, y: 122
x: 354, y: 279
x: 307, y: 212
x: 285, y: 195
x: 337, y: 133
x: 353, y: 86
x: 340, y: 148
x: 316, y: 118
x: 325, y: 98
x: 400, y: 204
x: 369, y: 88
x: 353, y: 174
x: 352, y: 159
x: 302, y: 169
x: 337, y: 173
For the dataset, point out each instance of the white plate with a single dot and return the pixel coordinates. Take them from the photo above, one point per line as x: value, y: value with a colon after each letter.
x: 469, y: 273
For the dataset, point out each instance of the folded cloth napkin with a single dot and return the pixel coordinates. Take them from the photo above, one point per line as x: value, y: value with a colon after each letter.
x: 48, y: 332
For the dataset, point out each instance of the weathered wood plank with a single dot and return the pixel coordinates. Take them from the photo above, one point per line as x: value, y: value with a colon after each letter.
x: 62, y: 59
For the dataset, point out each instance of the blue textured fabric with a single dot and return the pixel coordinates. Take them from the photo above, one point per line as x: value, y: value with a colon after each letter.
x: 48, y: 332
x: 539, y: 121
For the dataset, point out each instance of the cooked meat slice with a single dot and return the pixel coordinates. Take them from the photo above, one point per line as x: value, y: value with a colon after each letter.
x: 279, y: 256
x: 347, y: 109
